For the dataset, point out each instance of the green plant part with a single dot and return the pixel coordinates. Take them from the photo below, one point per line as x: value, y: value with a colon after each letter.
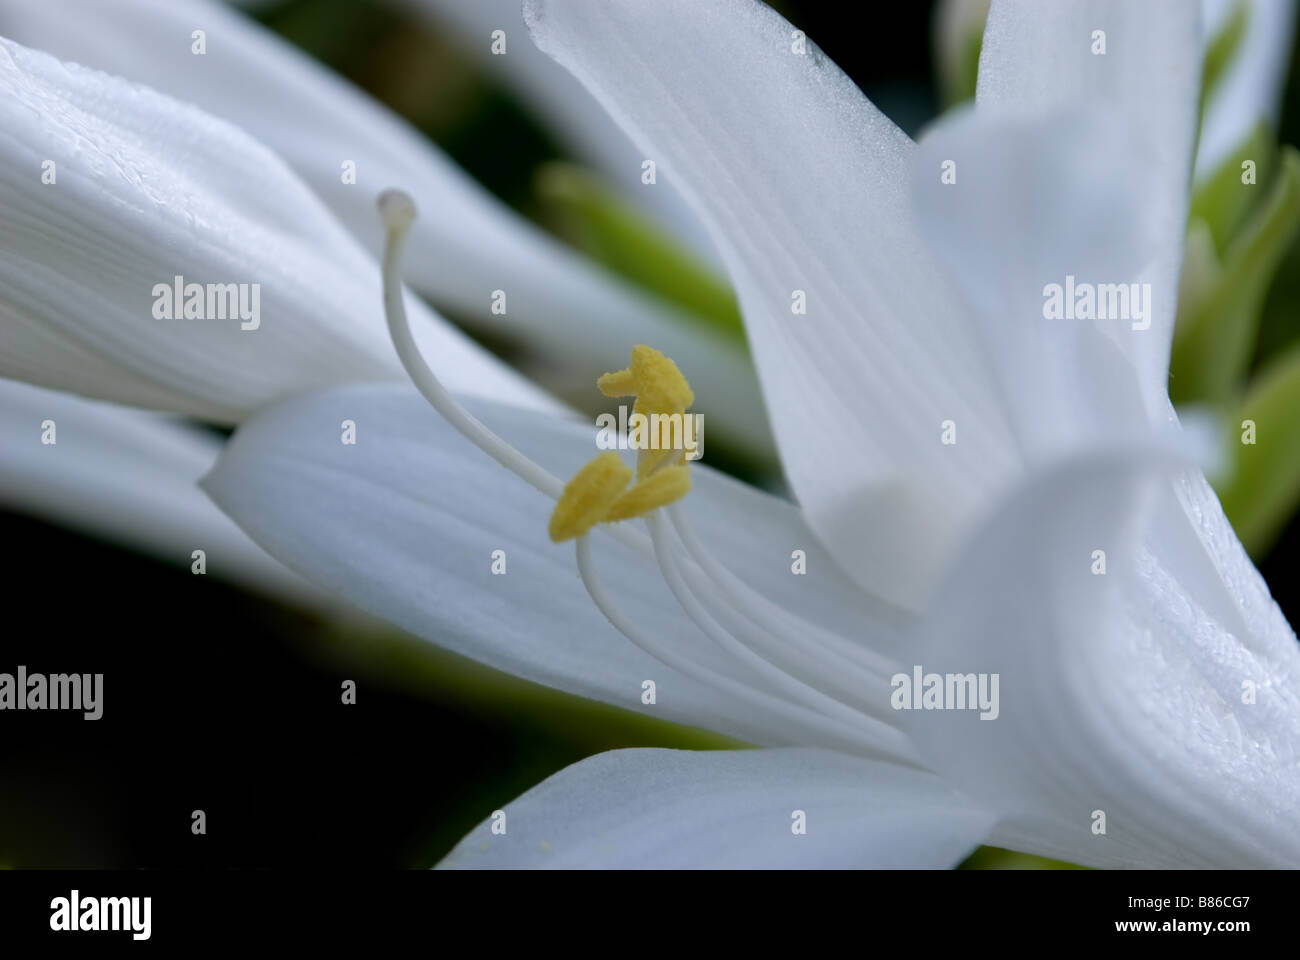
x: 594, y: 219
x: 1223, y: 49
x: 1219, y: 318
x: 1264, y: 490
x: 1223, y: 202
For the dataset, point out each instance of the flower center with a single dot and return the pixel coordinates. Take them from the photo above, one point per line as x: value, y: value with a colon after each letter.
x: 827, y: 689
x: 596, y: 494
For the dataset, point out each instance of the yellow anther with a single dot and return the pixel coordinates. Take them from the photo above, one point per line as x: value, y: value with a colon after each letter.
x: 588, y: 496
x: 653, y: 379
x: 599, y: 493
x: 657, y: 490
x: 620, y: 383
x: 652, y: 461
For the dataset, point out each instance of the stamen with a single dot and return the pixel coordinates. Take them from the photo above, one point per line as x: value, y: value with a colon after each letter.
x: 653, y: 379
x: 398, y: 212
x: 587, y: 498
x: 763, y: 612
x: 662, y: 474
x: 599, y: 494
x: 848, y: 736
x: 793, y: 688
x: 621, y: 383
x: 649, y: 462
x: 655, y: 491
x: 795, y: 650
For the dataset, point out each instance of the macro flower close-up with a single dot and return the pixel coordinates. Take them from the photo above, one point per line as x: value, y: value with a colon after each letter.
x: 359, y: 357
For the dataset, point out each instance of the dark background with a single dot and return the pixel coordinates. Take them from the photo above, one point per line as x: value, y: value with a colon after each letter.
x: 218, y: 700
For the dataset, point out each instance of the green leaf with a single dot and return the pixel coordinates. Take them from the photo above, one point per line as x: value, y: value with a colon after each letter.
x: 1216, y: 332
x: 332, y: 31
x: 1223, y: 49
x: 996, y: 858
x: 957, y: 37
x: 1223, y: 202
x: 958, y: 78
x: 609, y: 230
x: 1263, y: 491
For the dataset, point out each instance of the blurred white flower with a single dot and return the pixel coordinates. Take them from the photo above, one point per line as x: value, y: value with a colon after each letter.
x: 562, y: 103
x: 575, y: 317
x: 1147, y: 677
x: 1247, y: 92
x: 130, y: 477
x: 108, y: 190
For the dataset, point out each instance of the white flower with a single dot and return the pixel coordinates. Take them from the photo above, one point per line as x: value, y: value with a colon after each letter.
x: 129, y: 476
x: 1256, y: 34
x: 1148, y: 714
x: 562, y: 102
x: 108, y: 190
x: 574, y: 316
x: 143, y: 189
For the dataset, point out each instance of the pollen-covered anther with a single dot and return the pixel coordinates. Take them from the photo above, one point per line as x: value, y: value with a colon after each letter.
x: 657, y: 490
x: 653, y: 379
x: 588, y: 497
x: 620, y: 383
x: 652, y: 461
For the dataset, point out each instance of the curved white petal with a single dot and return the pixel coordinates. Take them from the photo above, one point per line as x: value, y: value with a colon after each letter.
x: 145, y: 189
x: 804, y: 186
x: 1036, y: 211
x: 1250, y: 91
x: 562, y: 103
x: 405, y: 524
x: 129, y: 476
x: 728, y: 809
x: 465, y: 245
x: 1164, y: 693
x: 1038, y: 58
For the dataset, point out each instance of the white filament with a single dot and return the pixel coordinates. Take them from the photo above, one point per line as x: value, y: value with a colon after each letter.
x: 807, y: 706
x: 828, y: 729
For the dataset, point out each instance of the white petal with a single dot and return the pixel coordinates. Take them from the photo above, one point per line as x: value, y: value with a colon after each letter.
x: 563, y: 104
x: 1038, y: 58
x: 1042, y: 202
x: 146, y: 189
x: 1250, y: 91
x: 404, y: 524
x: 465, y: 245
x: 131, y: 477
x: 1123, y: 692
x: 804, y: 186
x: 728, y: 809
